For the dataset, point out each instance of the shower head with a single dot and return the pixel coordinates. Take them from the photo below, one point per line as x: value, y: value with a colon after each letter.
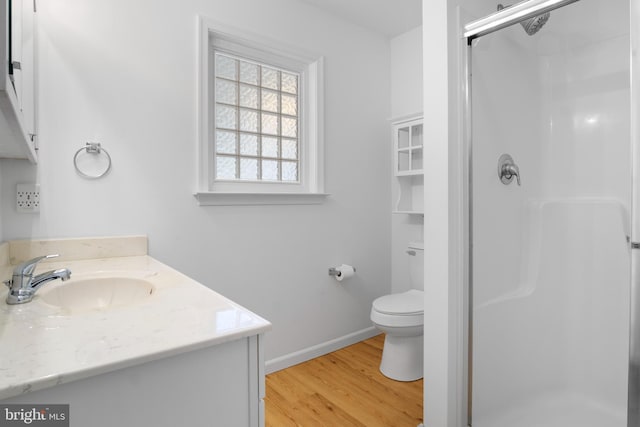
x: 532, y: 25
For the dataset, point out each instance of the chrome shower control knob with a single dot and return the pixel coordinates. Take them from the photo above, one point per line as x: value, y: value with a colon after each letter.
x: 507, y: 170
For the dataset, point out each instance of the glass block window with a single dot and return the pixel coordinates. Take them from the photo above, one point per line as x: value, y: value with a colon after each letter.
x: 260, y: 119
x: 257, y: 121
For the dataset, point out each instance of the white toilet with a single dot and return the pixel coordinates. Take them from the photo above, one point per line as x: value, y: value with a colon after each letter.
x: 401, y: 317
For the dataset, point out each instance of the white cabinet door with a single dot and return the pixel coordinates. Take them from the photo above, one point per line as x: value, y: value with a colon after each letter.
x: 408, y: 167
x: 22, y: 58
x: 17, y: 88
x: 15, y: 51
x: 408, y: 147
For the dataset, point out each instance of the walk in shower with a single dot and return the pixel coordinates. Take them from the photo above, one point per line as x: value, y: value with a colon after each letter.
x: 549, y: 143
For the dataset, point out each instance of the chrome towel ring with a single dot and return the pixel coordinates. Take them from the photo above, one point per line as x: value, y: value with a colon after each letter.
x: 92, y: 148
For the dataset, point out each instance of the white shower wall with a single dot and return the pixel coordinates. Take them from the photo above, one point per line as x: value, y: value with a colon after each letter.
x: 551, y: 261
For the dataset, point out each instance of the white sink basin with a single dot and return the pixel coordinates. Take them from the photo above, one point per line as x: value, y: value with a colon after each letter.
x: 97, y: 293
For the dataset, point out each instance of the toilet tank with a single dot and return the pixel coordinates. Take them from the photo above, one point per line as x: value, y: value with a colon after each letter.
x: 415, y: 251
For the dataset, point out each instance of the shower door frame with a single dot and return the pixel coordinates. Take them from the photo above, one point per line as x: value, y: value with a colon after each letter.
x: 495, y: 22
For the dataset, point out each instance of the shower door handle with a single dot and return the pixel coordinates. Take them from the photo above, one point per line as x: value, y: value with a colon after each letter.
x: 507, y: 169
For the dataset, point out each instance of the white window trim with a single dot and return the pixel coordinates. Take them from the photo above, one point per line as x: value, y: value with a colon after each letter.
x: 311, y: 188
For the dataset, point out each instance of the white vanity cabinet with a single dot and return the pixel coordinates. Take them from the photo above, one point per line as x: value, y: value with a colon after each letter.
x: 221, y: 385
x: 178, y: 354
x: 408, y: 164
x: 17, y: 79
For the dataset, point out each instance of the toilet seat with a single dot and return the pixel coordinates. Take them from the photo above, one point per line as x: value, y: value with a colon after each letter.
x: 405, y: 303
x: 404, y: 309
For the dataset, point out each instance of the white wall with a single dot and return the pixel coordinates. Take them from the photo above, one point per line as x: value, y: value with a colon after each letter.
x: 406, y: 73
x: 123, y: 74
x: 441, y: 335
x: 406, y: 100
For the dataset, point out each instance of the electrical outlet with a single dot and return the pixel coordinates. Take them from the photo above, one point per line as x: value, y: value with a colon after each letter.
x: 28, y: 198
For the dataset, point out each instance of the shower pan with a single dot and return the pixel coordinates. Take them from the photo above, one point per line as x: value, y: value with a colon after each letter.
x: 552, y: 278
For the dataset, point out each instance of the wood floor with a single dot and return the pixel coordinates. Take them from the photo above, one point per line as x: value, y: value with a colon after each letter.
x: 341, y: 389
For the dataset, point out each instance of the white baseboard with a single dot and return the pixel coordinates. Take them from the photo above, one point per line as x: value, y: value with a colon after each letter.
x: 321, y: 349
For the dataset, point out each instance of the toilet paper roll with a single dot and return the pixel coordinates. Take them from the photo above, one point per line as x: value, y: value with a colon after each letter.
x: 344, y: 272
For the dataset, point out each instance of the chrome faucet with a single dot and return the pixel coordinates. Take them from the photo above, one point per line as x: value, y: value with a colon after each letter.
x: 24, y: 285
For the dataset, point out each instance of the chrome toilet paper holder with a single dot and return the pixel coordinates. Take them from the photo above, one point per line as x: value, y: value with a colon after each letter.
x: 333, y: 271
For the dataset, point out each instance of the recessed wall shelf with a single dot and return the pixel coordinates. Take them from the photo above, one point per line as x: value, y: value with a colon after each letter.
x: 408, y: 168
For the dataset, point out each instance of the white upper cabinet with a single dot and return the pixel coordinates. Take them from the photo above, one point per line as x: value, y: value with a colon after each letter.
x: 17, y: 80
x: 408, y: 169
x: 408, y: 147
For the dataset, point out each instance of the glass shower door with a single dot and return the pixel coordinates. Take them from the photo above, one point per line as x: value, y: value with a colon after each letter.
x: 550, y: 223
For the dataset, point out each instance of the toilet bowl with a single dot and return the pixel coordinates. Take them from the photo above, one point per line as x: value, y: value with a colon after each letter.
x: 401, y: 317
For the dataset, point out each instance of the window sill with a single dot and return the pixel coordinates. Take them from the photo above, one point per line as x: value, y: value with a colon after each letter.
x: 252, y: 199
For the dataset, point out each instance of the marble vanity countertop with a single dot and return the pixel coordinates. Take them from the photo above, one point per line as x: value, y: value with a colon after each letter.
x: 43, y: 345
